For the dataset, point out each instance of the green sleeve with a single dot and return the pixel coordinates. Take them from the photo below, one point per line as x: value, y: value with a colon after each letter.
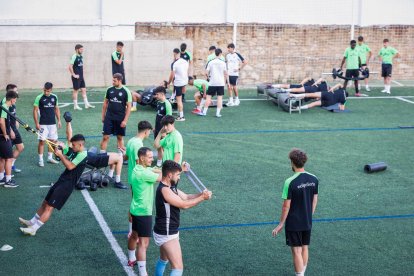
x: 57, y: 99
x: 36, y: 102
x: 168, y: 108
x: 368, y: 49
x: 190, y: 55
x: 380, y: 53
x: 394, y: 51
x: 286, y: 189
x: 178, y: 145
x: 114, y: 56
x: 149, y: 176
x: 107, y: 93
x: 72, y: 60
x: 129, y: 94
x: 346, y: 53
x: 79, y: 158
x: 163, y: 141
x: 3, y: 113
x: 66, y: 149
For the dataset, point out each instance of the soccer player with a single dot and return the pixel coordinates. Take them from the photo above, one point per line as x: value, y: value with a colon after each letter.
x: 200, y: 95
x: 17, y: 141
x: 117, y: 60
x: 143, y: 180
x: 78, y: 81
x: 353, y: 61
x: 235, y: 63
x: 305, y: 82
x: 335, y: 94
x: 46, y: 104
x: 131, y: 154
x: 74, y: 158
x: 365, y: 55
x: 6, y: 137
x: 163, y: 108
x: 216, y: 69
x: 172, y: 141
x: 187, y: 56
x: 115, y: 112
x: 168, y: 202
x: 308, y: 87
x: 386, y: 55
x: 300, y: 197
x: 179, y: 77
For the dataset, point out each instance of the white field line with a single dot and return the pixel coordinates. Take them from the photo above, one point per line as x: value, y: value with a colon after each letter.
x: 108, y: 233
x: 405, y: 100
x: 264, y: 99
x: 398, y: 83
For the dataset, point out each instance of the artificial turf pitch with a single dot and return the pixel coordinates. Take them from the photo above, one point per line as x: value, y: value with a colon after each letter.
x: 242, y: 158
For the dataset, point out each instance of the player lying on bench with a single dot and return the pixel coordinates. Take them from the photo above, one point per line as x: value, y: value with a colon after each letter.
x: 318, y: 86
x: 305, y: 82
x: 335, y: 95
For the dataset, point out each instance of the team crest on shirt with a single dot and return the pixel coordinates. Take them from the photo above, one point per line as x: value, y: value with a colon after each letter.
x: 52, y: 100
x: 120, y: 94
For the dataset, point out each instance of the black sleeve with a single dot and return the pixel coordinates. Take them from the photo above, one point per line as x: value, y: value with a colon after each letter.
x: 240, y: 57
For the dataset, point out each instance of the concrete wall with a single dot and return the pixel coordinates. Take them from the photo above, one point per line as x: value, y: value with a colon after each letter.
x: 109, y: 20
x: 31, y: 64
x: 280, y: 53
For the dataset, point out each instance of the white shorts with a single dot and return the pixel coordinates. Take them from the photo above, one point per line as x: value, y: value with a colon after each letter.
x: 161, y: 239
x: 48, y: 132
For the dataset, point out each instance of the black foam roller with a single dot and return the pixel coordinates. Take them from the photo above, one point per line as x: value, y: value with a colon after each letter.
x: 375, y: 167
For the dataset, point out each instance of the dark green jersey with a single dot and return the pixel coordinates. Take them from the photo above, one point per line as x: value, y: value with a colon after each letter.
x: 117, y: 102
x: 46, y: 105
x: 117, y: 68
x: 300, y: 189
x: 6, y: 118
x: 77, y: 62
x: 77, y: 158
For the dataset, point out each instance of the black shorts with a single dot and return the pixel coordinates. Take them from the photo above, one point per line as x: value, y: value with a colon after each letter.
x: 233, y: 80
x: 295, y: 85
x: 58, y: 194
x: 113, y: 127
x: 363, y: 65
x: 352, y: 73
x: 6, y: 148
x: 312, y: 89
x: 18, y: 139
x: 78, y: 83
x: 327, y: 98
x: 178, y: 90
x: 215, y: 90
x: 157, y: 128
x: 98, y: 160
x: 386, y: 70
x: 297, y: 238
x: 142, y: 225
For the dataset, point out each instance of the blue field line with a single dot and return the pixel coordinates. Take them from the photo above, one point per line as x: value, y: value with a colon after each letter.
x: 278, y: 131
x: 253, y: 224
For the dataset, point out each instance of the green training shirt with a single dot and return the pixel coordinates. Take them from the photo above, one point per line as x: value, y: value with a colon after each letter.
x: 352, y: 58
x: 387, y: 54
x: 172, y: 144
x: 132, y: 147
x: 142, y: 184
x: 198, y: 83
x: 363, y: 51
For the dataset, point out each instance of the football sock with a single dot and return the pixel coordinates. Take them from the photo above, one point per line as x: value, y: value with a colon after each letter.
x: 160, y: 267
x: 142, y: 269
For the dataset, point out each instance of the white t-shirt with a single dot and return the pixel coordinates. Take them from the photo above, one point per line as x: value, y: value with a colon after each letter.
x: 233, y: 63
x: 216, y: 69
x: 180, y: 68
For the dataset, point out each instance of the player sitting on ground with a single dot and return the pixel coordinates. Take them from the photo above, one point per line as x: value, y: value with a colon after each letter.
x: 200, y: 95
x: 335, y: 95
x: 305, y: 82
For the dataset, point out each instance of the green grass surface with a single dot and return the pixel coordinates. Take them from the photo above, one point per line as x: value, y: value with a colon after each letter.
x: 245, y: 171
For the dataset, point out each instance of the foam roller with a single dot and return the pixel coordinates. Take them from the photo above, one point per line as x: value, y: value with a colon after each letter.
x: 375, y: 167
